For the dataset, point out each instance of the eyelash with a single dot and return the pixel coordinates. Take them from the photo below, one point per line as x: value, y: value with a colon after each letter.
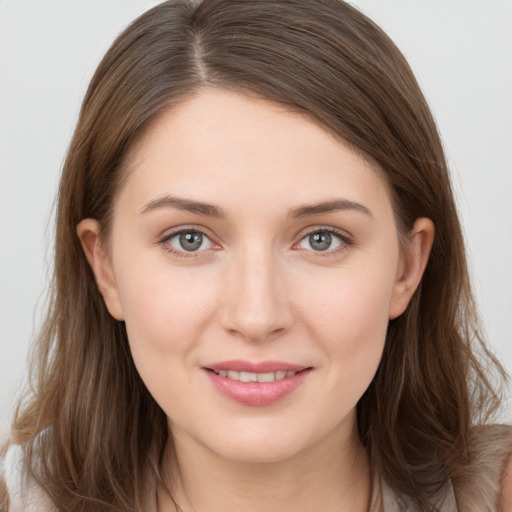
x: 344, y: 239
x: 165, y: 242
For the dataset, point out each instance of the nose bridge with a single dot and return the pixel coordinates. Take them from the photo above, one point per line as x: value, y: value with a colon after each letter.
x: 256, y: 304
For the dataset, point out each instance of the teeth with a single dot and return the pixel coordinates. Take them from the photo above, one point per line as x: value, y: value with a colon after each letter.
x: 266, y: 377
x: 254, y: 377
x: 248, y: 377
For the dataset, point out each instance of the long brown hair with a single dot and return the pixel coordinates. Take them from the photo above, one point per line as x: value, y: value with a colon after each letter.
x: 92, y: 433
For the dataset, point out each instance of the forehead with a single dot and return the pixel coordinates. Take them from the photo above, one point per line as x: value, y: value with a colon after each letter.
x: 222, y: 144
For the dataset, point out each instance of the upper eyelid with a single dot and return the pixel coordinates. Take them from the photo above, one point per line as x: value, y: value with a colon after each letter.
x: 168, y: 235
x: 345, y: 239
x: 343, y: 234
x: 172, y: 232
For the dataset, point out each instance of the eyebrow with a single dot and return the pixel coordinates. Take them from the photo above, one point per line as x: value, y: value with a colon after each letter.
x: 182, y: 203
x: 328, y: 207
x: 210, y: 210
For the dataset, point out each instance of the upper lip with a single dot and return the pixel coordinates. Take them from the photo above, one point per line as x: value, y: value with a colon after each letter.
x: 238, y: 365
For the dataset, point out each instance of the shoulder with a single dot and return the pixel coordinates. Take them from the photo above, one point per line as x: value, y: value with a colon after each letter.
x: 18, y: 492
x: 486, y: 484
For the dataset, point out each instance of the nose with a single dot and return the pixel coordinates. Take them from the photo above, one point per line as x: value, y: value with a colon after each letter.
x: 256, y: 305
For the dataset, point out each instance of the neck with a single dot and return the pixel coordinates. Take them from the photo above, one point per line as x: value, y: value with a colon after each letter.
x: 332, y: 477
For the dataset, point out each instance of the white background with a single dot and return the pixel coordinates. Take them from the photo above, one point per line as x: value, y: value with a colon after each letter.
x: 460, y: 50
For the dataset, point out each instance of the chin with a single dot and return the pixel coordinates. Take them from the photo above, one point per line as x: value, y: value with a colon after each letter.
x: 260, y: 445
x: 258, y: 453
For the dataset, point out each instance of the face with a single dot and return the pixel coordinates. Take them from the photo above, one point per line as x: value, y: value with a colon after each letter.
x: 248, y: 244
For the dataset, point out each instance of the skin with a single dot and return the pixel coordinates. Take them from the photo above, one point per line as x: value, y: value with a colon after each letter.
x: 256, y: 290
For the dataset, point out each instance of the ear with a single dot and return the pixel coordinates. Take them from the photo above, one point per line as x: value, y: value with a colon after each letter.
x: 412, y: 264
x: 88, y: 231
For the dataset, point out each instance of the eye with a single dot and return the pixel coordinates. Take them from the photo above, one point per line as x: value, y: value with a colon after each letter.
x: 189, y: 241
x: 321, y: 241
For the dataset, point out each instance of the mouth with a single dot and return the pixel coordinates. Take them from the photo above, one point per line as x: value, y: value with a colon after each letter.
x: 256, y: 377
x: 256, y: 384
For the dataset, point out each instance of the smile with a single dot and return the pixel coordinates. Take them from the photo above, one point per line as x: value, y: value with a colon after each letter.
x: 256, y: 384
x: 255, y: 377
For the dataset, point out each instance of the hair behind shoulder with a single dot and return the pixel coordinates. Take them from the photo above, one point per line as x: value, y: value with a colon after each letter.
x: 322, y: 58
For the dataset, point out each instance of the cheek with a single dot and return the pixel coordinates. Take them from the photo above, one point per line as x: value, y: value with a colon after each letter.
x: 353, y: 324
x: 348, y: 314
x: 350, y: 301
x: 166, y: 314
x: 165, y: 311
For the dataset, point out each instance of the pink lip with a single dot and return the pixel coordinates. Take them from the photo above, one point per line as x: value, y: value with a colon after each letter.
x: 256, y: 393
x: 238, y: 365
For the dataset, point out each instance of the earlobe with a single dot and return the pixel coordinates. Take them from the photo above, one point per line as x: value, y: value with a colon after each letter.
x: 412, y: 265
x: 88, y: 231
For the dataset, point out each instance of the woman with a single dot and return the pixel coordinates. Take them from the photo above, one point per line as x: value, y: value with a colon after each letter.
x: 261, y: 296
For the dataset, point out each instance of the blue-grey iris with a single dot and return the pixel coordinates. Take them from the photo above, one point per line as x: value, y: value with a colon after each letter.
x: 320, y: 241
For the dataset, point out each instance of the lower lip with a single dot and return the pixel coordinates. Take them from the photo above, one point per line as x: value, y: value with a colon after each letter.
x: 257, y: 393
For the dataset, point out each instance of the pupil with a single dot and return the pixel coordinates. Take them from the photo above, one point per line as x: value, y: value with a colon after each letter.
x: 320, y: 241
x: 191, y: 241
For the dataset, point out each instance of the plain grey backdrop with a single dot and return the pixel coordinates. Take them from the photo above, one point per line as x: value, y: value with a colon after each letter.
x: 460, y: 50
